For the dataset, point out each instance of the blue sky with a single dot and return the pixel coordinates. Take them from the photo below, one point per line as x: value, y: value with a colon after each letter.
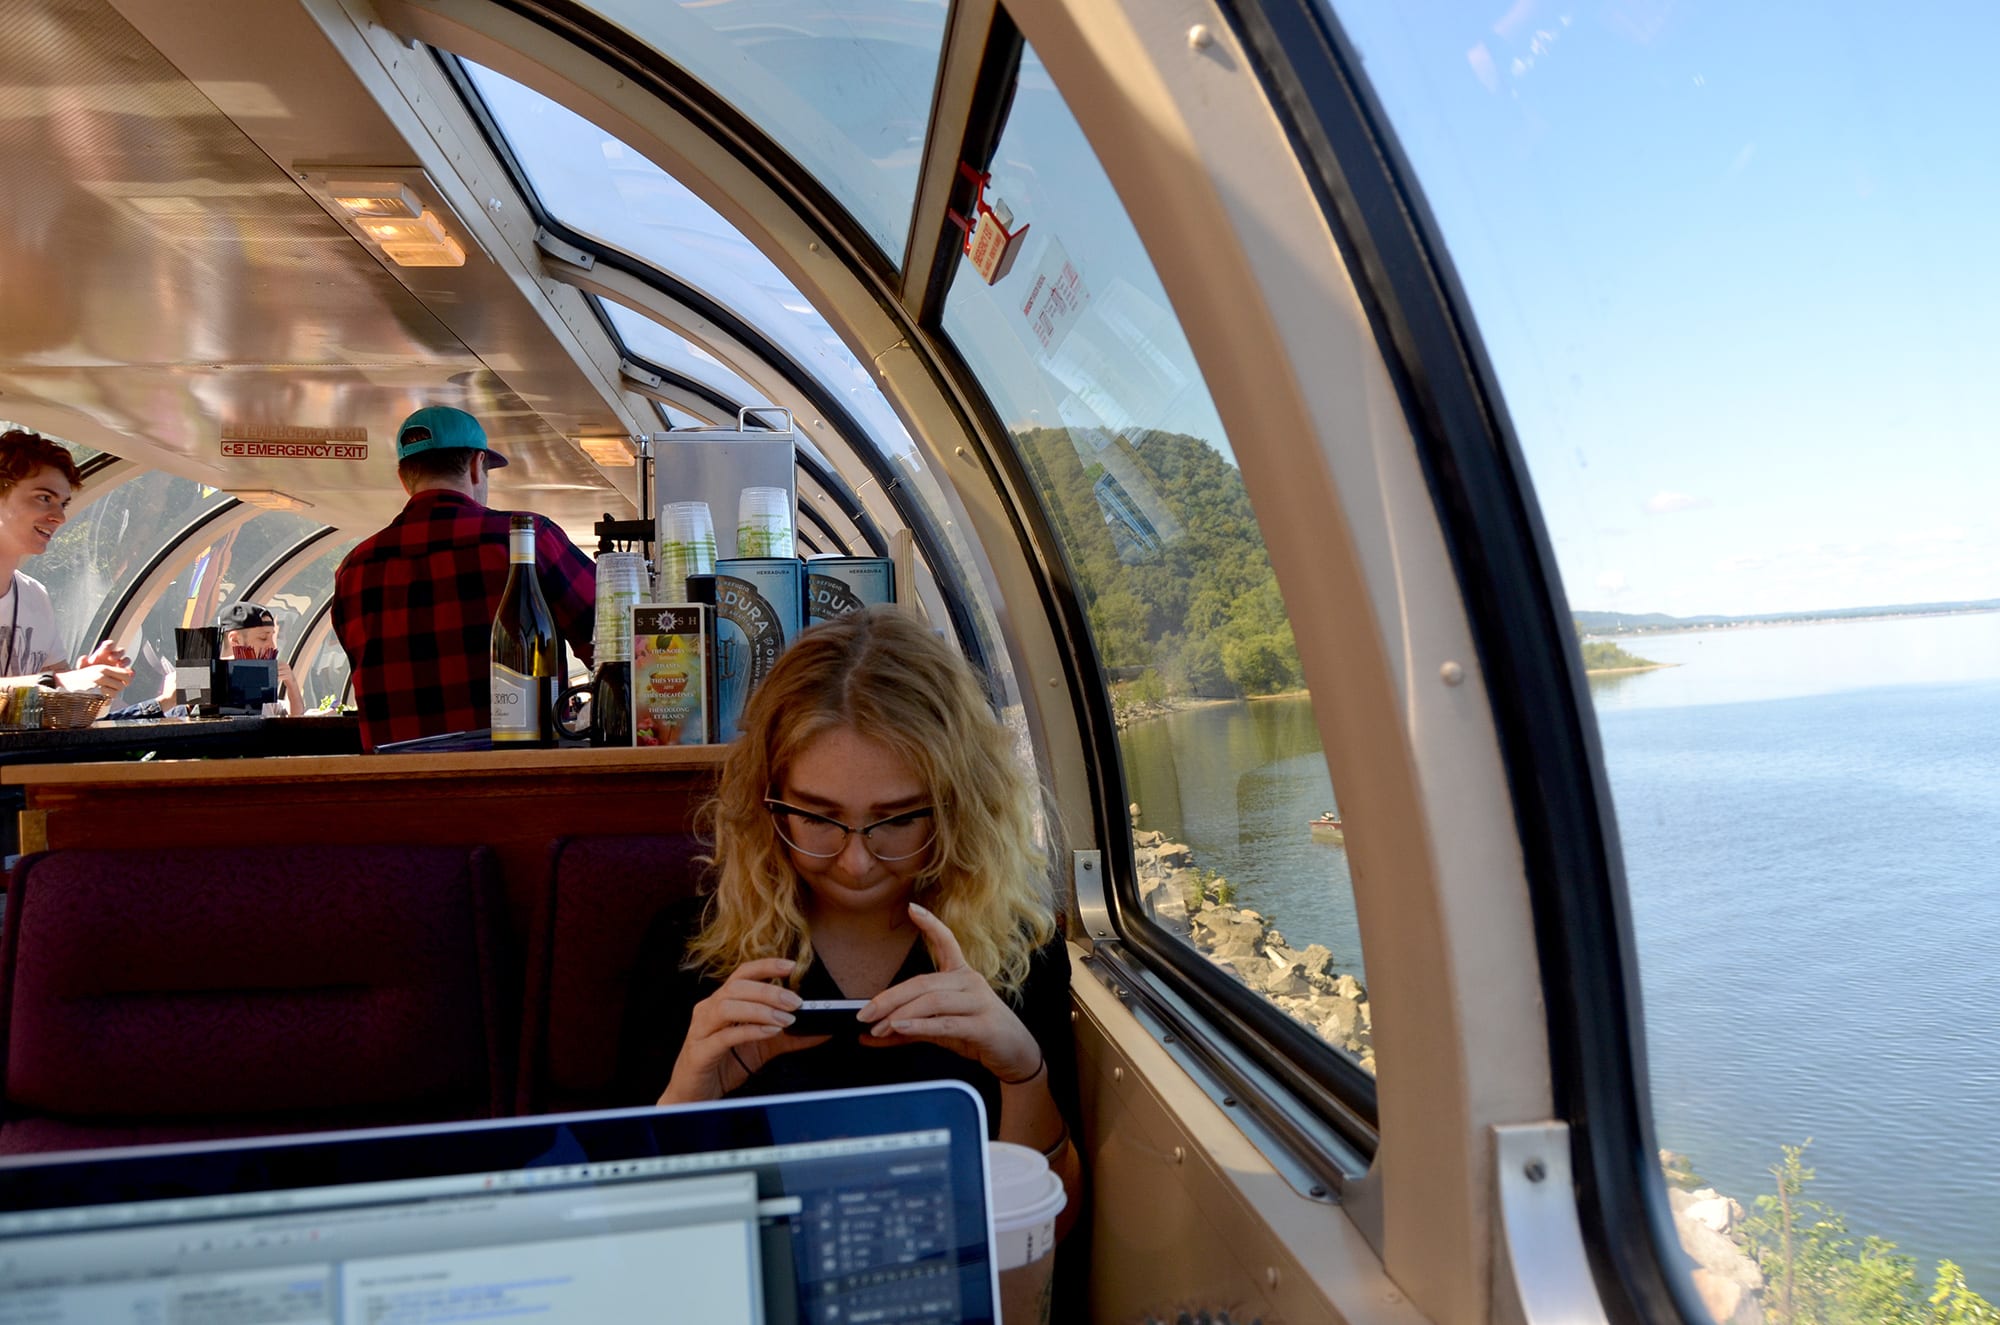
x: 1734, y: 265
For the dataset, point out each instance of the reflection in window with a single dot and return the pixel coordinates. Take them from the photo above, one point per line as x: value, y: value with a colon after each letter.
x: 843, y: 86
x: 1085, y: 362
x: 1743, y: 324
x: 108, y: 543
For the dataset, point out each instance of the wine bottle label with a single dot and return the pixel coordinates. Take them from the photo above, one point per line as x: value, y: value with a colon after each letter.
x: 521, y: 545
x: 514, y: 716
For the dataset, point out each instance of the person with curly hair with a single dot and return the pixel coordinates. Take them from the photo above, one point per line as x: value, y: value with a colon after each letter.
x: 874, y: 839
x: 37, y: 479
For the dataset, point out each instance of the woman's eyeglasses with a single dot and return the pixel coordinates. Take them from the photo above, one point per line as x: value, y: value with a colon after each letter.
x: 897, y: 837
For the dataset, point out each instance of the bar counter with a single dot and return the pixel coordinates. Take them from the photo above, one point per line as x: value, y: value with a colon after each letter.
x: 184, y: 738
x: 516, y: 802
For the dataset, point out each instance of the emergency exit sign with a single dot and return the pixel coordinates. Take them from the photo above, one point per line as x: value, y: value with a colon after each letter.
x: 285, y: 442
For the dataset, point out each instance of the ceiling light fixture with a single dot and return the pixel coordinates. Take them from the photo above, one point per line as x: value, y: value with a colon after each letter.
x: 610, y: 452
x: 395, y: 210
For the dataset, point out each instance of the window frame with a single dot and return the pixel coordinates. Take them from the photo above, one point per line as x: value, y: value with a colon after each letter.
x: 1518, y: 615
x: 932, y: 547
x: 1324, y: 1109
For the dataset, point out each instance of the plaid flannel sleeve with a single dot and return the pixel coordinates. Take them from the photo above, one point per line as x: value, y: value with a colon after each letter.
x: 569, y: 582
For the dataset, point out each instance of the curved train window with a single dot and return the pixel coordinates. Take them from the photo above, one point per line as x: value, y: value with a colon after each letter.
x: 607, y: 193
x: 108, y: 543
x: 218, y: 570
x: 1240, y: 851
x: 1732, y: 267
x: 317, y: 658
x: 613, y: 199
x: 677, y: 354
x: 845, y: 89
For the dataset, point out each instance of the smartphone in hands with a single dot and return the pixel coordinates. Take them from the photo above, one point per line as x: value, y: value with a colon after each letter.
x: 828, y: 1016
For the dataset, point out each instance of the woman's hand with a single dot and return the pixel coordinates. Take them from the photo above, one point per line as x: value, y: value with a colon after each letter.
x: 953, y: 1007
x: 735, y: 1031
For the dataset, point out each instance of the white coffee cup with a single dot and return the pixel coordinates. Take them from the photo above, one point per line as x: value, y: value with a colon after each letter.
x: 687, y: 545
x: 1026, y: 1196
x: 764, y: 523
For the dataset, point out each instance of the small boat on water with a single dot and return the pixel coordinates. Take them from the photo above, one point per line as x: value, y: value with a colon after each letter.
x: 1327, y: 828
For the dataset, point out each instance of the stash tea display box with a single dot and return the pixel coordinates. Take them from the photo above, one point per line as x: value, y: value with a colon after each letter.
x: 673, y: 694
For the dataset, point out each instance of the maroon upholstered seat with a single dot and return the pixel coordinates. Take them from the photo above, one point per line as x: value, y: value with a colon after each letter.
x: 202, y: 992
x: 602, y: 894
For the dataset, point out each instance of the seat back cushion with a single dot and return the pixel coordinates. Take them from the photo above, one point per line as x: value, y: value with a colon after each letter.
x: 203, y: 981
x: 605, y: 892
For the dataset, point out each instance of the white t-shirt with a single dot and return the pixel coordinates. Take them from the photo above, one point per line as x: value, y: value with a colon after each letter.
x: 34, y: 645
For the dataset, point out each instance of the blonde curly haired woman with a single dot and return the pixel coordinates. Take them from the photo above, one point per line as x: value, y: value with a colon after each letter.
x: 874, y: 840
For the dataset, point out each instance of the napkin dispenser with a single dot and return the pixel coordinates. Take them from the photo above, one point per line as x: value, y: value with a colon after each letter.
x: 211, y: 685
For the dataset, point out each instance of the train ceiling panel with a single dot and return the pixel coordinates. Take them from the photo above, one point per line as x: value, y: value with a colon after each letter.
x: 171, y: 280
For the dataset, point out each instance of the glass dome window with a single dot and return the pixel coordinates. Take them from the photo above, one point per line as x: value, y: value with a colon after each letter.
x: 844, y: 86
x: 602, y: 190
x: 666, y: 348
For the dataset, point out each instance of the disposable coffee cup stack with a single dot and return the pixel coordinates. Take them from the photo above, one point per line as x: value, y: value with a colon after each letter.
x: 687, y: 546
x: 1027, y: 1196
x: 764, y: 523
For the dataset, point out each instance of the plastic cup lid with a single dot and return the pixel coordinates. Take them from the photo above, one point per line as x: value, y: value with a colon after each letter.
x: 1024, y: 1188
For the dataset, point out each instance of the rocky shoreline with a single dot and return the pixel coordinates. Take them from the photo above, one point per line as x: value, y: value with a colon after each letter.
x: 1728, y: 1280
x: 1301, y: 982
x: 1198, y: 905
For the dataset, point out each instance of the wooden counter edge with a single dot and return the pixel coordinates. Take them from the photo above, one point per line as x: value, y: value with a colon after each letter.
x: 474, y: 764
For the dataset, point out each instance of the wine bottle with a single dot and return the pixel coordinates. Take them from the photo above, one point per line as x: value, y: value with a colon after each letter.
x: 528, y: 662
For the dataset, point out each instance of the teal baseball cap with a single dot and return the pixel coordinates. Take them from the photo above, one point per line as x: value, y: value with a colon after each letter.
x: 442, y: 428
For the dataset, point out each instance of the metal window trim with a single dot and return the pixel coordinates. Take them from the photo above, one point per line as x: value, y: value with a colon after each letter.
x: 1517, y: 613
x: 976, y: 76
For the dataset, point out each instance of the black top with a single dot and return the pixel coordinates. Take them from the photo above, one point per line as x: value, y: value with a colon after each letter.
x: 664, y: 995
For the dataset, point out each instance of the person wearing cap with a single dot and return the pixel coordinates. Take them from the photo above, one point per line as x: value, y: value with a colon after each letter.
x: 413, y: 605
x: 37, y: 478
x: 250, y: 631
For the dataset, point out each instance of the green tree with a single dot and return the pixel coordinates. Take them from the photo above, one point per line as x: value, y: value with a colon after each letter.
x: 1167, y: 559
x: 1815, y: 1274
x: 1952, y: 1303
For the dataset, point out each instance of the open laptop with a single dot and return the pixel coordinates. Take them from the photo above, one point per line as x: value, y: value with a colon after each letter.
x: 839, y: 1207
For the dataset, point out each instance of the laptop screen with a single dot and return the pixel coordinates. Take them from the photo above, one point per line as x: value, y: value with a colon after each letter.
x: 841, y: 1207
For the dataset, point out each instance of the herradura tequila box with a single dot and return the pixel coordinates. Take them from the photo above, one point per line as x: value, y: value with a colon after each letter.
x: 759, y: 610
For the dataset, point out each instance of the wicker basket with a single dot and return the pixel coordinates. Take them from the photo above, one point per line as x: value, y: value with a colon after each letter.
x: 70, y: 709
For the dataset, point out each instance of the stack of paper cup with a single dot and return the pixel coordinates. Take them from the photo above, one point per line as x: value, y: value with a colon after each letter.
x: 687, y: 546
x: 764, y: 523
x: 621, y: 583
x: 1027, y: 1196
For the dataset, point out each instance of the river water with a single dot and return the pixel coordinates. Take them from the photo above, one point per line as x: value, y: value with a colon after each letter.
x: 1810, y: 817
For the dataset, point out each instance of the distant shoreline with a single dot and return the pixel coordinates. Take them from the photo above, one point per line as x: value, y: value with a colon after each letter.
x: 1697, y: 627
x: 1620, y: 671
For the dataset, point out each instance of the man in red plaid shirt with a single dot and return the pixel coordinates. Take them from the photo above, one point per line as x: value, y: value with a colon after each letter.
x: 414, y: 604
